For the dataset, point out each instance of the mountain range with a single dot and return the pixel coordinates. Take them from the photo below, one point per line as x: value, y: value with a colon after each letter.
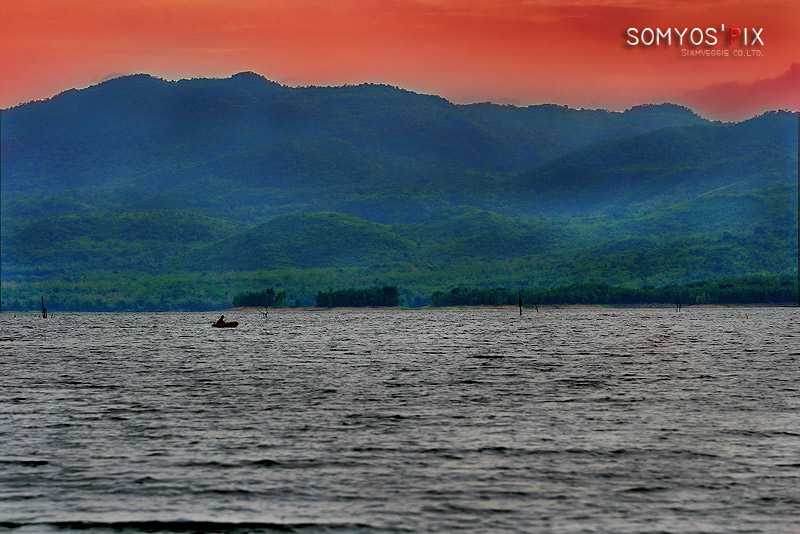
x: 141, y: 193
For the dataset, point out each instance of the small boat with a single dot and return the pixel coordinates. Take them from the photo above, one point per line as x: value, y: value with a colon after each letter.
x: 226, y: 324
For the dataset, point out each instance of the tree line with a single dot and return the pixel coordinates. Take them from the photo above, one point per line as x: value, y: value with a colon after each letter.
x: 260, y: 299
x: 386, y: 296
x: 745, y: 290
x: 748, y: 290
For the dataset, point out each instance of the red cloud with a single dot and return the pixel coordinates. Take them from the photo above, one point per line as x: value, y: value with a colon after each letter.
x: 737, y: 101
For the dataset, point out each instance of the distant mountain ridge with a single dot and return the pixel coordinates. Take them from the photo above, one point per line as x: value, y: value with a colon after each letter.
x: 155, y: 138
x: 671, y: 165
x: 375, y: 185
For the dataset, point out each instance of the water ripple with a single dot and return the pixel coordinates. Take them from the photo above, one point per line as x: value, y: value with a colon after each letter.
x: 568, y: 420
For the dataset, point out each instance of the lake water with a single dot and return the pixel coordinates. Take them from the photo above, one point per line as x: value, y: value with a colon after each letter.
x: 563, y: 421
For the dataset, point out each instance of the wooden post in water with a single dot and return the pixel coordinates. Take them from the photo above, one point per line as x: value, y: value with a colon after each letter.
x: 44, y: 310
x: 520, y: 303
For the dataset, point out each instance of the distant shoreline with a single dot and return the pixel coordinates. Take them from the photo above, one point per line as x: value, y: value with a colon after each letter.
x: 544, y: 307
x: 515, y: 308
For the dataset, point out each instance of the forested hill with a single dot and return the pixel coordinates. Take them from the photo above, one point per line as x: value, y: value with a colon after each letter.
x: 141, y: 193
x: 666, y: 166
x: 247, y: 148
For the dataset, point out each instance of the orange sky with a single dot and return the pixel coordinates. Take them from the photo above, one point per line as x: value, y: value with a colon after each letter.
x: 507, y: 51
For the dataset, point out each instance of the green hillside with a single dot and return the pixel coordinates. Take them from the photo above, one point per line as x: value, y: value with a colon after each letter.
x: 469, y: 233
x: 134, y: 241
x: 301, y: 254
x: 144, y: 194
x: 302, y: 241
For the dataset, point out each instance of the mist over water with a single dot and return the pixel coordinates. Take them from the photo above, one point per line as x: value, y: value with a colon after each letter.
x: 566, y: 420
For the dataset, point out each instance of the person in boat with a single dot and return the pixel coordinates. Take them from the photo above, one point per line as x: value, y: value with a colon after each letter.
x: 221, y: 320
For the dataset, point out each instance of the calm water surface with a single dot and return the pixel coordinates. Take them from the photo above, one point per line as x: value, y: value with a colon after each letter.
x: 567, y: 420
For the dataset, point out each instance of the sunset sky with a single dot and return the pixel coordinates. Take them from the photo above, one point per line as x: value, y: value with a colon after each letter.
x: 506, y: 51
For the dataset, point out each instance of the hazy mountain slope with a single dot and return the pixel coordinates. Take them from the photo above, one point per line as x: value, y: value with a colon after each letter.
x: 169, y: 142
x: 666, y: 166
